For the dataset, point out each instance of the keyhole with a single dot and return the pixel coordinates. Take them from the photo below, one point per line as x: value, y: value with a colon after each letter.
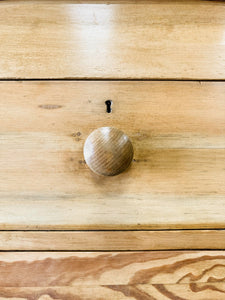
x: 108, y: 104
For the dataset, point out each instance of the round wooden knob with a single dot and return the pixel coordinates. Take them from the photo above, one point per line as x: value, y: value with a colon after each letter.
x: 108, y: 151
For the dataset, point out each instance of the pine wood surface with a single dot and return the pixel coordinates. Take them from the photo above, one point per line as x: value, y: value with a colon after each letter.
x: 175, y: 181
x: 128, y: 275
x: 111, y: 240
x: 115, y: 39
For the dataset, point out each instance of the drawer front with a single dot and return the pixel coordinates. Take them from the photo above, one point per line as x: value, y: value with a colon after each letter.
x: 176, y: 179
x: 112, y: 39
x: 105, y: 275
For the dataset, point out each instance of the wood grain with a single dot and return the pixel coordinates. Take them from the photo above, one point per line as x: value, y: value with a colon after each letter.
x: 176, y: 179
x: 195, y: 291
x: 124, y: 39
x: 111, y: 240
x: 127, y: 275
x: 108, y: 151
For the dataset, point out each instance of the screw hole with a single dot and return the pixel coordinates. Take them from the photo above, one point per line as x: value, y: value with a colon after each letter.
x: 108, y: 104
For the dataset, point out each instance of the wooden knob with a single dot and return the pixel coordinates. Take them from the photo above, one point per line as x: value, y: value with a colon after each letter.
x: 108, y: 151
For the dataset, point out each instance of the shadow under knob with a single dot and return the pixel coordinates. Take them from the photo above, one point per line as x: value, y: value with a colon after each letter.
x: 108, y: 151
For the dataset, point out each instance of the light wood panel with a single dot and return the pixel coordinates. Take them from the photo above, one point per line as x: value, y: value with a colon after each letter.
x: 111, y: 240
x: 128, y: 275
x: 124, y: 39
x: 175, y: 181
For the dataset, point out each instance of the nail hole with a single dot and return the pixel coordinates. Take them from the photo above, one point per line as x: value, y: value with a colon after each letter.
x: 108, y: 104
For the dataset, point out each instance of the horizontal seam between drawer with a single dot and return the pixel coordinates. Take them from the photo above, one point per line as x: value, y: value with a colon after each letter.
x: 113, y: 79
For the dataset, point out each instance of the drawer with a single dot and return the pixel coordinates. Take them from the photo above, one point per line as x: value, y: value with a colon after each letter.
x: 176, y: 179
x: 112, y: 39
x: 120, y: 276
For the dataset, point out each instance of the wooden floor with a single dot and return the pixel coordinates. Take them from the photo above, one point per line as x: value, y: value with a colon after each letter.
x: 154, y: 232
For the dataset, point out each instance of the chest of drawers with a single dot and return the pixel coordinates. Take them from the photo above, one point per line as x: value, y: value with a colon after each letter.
x: 155, y: 231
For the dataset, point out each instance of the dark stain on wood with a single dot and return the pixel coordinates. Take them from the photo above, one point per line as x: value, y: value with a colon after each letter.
x: 76, y: 134
x: 37, y: 294
x: 162, y: 289
x: 64, y: 271
x: 196, y: 288
x: 131, y: 291
x: 50, y: 106
x: 144, y: 276
x: 193, y: 278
